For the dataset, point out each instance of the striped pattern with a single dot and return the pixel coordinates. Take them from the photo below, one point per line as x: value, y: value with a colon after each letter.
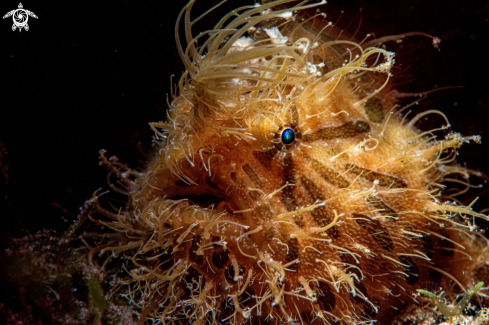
x: 252, y: 175
x: 376, y: 230
x: 384, y: 180
x: 346, y: 130
x: 320, y: 214
x: 293, y: 253
x: 288, y: 193
x: 378, y: 204
x: 265, y: 158
x: 329, y: 174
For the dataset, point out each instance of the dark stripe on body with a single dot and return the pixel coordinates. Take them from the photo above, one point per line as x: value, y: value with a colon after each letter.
x: 293, y: 253
x: 378, y: 204
x: 346, y: 130
x: 319, y: 214
x: 288, y: 193
x: 360, y: 286
x: 252, y: 175
x: 265, y: 157
x: 376, y: 230
x: 329, y: 174
x: 326, y: 298
x: 384, y: 180
x: 412, y: 270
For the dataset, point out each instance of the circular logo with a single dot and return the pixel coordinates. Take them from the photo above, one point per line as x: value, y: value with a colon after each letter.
x: 20, y: 17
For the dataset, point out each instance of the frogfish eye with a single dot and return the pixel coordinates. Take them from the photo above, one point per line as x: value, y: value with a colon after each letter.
x: 288, y: 136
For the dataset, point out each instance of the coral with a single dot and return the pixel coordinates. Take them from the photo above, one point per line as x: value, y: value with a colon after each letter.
x: 287, y: 187
x: 46, y: 280
x: 453, y: 314
x: 452, y: 311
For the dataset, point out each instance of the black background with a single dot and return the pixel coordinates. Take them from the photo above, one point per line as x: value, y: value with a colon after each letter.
x: 91, y: 75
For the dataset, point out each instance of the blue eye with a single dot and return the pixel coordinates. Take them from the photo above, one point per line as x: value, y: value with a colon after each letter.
x: 288, y: 136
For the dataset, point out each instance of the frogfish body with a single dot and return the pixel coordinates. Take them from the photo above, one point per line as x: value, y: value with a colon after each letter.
x: 286, y: 188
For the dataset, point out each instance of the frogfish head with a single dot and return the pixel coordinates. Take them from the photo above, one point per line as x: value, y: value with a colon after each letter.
x: 287, y: 187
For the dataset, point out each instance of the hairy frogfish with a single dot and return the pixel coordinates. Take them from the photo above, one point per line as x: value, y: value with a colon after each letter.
x: 288, y: 186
